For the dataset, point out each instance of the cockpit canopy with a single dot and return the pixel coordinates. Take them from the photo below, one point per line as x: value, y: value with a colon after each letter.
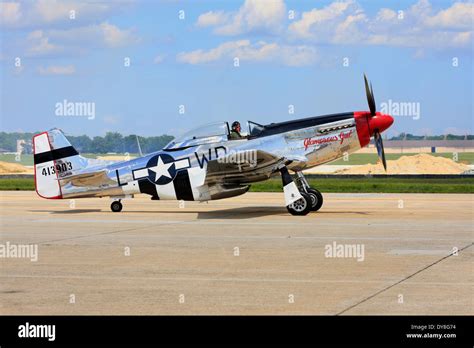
x: 206, y: 134
x: 255, y: 128
x: 210, y: 133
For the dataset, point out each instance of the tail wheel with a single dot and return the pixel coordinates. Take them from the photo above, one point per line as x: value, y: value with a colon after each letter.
x: 302, y: 206
x: 316, y: 199
x: 116, y: 206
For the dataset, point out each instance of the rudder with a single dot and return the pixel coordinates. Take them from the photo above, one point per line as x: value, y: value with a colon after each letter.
x: 54, y: 158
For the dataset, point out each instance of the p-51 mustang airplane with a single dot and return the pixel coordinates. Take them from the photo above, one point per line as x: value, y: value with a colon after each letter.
x: 205, y: 164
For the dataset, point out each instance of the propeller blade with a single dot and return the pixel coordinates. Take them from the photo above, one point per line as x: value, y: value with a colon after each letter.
x: 373, y: 97
x: 370, y: 97
x: 379, y: 145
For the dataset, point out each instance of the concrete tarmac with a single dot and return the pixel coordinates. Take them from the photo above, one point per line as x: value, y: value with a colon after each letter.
x: 393, y: 254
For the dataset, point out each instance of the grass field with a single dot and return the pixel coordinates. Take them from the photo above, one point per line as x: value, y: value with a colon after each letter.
x: 354, y: 159
x: 385, y: 185
x: 19, y: 184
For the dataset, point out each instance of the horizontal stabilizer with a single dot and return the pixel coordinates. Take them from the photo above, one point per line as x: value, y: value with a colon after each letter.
x: 92, y: 178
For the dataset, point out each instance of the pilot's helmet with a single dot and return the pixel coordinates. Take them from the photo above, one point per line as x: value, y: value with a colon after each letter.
x: 235, y: 124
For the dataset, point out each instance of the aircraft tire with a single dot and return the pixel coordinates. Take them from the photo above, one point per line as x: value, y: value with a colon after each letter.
x: 316, y: 199
x: 116, y: 206
x: 302, y: 206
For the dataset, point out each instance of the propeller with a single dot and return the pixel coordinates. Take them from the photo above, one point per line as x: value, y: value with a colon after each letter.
x: 373, y: 112
x: 370, y: 97
x: 379, y: 144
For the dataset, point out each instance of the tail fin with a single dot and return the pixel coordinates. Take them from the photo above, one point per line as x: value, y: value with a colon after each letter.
x: 54, y: 158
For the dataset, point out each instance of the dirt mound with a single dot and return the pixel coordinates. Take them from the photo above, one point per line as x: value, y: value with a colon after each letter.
x: 14, y: 168
x: 417, y: 164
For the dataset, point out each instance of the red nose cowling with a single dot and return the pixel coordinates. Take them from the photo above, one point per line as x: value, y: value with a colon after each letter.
x: 366, y: 124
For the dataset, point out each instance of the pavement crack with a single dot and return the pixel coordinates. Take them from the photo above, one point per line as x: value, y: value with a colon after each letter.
x: 93, y: 235
x: 402, y: 280
x: 124, y: 230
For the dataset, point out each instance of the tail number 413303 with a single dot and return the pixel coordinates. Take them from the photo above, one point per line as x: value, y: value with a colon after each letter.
x: 58, y: 167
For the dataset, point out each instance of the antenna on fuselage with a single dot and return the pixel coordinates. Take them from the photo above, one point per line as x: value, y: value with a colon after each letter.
x: 139, y: 147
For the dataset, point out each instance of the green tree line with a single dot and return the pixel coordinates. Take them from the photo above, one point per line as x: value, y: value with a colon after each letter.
x: 116, y: 142
x: 408, y: 136
x: 111, y: 142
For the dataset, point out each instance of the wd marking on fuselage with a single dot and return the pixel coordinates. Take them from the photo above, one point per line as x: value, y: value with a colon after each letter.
x: 204, y: 160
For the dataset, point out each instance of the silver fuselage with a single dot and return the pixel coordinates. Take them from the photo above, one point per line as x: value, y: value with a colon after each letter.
x: 303, y: 148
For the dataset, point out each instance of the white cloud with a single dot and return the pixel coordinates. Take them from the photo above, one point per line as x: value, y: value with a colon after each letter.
x: 159, y: 59
x: 39, y: 45
x: 52, y: 10
x: 386, y: 15
x: 57, y: 70
x: 52, y: 32
x: 47, y: 13
x: 10, y: 13
x: 80, y: 39
x: 350, y: 29
x: 212, y: 18
x: 418, y: 26
x: 115, y: 37
x: 458, y: 16
x: 421, y: 27
x: 258, y: 52
x: 320, y: 21
x: 104, y: 34
x: 253, y: 15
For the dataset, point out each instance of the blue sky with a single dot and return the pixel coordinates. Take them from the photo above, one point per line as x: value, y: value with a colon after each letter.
x: 289, y: 53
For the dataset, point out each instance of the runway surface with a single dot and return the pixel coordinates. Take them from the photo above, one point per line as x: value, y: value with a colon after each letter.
x: 244, y: 255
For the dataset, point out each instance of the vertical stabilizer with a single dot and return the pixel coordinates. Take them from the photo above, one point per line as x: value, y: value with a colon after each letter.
x: 54, y: 158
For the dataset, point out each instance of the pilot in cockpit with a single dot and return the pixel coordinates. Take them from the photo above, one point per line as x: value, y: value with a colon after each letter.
x: 235, y: 131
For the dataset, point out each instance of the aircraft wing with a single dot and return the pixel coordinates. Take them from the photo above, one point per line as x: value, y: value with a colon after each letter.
x: 90, y: 178
x: 246, y: 166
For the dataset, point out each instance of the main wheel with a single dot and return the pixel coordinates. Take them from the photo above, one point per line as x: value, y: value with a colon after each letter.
x: 116, y: 206
x: 302, y: 206
x: 316, y: 199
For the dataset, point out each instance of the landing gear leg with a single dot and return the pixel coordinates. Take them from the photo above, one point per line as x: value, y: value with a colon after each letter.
x: 116, y: 206
x: 297, y: 202
x: 315, y: 195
